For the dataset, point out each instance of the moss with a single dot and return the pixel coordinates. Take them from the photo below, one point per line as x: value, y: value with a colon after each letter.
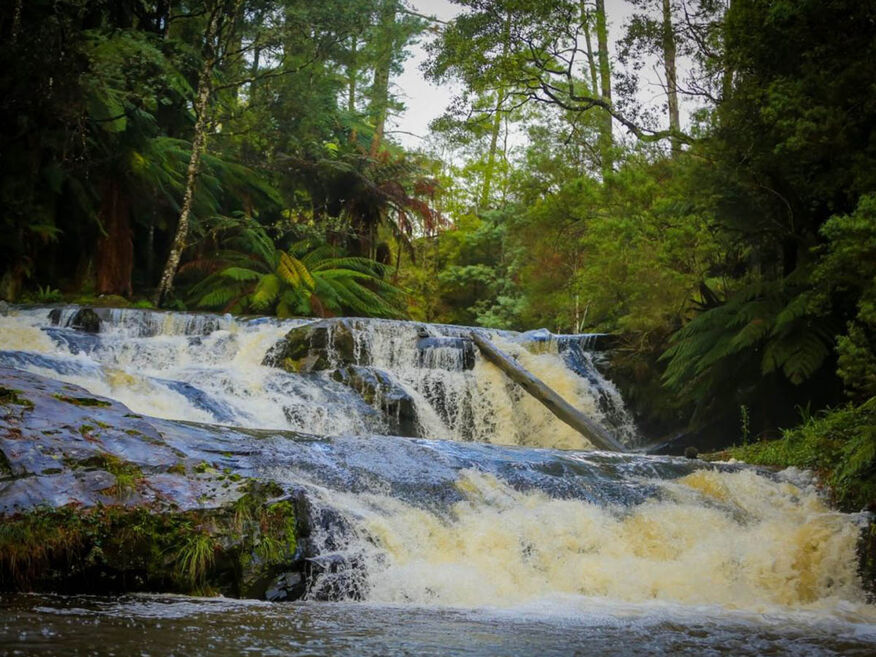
x: 127, y: 475
x: 104, y: 549
x: 12, y: 397
x: 82, y: 401
x: 177, y: 468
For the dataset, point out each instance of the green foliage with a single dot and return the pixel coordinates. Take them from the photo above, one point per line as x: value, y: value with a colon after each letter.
x: 839, y: 444
x: 251, y: 274
x: 846, y: 276
x: 120, y: 548
x: 194, y: 557
x: 9, y: 396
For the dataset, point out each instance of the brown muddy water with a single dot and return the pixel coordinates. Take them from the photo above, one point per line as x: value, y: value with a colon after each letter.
x: 147, y: 626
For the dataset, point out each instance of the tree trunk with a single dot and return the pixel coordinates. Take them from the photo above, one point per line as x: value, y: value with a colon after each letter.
x: 199, y: 142
x: 547, y: 396
x: 671, y: 80
x: 591, y: 60
x: 115, y: 249
x: 484, y: 199
x: 606, y: 141
x: 380, y: 89
x: 352, y: 74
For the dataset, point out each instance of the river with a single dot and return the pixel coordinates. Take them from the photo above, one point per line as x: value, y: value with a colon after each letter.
x: 491, y: 529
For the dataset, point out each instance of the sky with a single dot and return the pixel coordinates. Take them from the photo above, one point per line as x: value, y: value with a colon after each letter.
x: 426, y: 101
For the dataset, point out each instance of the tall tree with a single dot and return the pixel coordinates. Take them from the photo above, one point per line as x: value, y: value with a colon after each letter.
x: 606, y: 141
x: 669, y: 67
x: 221, y: 17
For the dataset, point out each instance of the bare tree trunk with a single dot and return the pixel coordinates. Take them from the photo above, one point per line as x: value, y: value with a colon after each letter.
x: 484, y: 198
x: 669, y: 53
x: 199, y: 143
x: 606, y: 141
x: 352, y: 73
x: 380, y: 90
x: 115, y: 249
x: 591, y: 60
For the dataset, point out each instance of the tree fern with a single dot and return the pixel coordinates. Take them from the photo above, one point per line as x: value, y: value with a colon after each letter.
x: 250, y: 274
x: 765, y: 327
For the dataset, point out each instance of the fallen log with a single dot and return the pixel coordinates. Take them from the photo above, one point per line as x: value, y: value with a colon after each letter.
x: 551, y: 400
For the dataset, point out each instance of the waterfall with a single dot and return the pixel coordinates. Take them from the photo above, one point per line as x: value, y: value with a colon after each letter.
x: 208, y: 368
x: 489, y: 500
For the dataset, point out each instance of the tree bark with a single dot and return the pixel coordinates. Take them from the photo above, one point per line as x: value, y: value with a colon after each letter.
x: 484, y: 198
x: 591, y: 60
x: 115, y: 249
x: 669, y: 56
x: 380, y: 88
x: 199, y: 143
x: 606, y: 141
x: 352, y: 74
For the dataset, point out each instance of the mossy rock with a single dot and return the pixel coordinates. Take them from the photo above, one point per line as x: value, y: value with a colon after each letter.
x: 12, y: 397
x: 237, y: 551
x: 319, y: 346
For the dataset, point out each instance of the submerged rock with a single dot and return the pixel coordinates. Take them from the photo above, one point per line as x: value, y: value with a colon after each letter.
x: 453, y: 353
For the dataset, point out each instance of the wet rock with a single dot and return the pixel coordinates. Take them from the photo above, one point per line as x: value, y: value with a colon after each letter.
x: 4, y: 308
x: 319, y: 346
x: 337, y: 577
x: 94, y: 498
x: 286, y: 587
x: 451, y: 353
x: 85, y: 320
x: 379, y: 390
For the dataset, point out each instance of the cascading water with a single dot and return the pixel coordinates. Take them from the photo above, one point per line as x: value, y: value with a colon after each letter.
x: 492, y: 502
x: 207, y: 368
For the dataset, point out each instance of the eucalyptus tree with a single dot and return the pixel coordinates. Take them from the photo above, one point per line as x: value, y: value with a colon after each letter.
x: 538, y: 52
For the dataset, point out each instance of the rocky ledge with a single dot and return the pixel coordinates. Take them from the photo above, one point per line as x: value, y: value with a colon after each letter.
x: 94, y: 498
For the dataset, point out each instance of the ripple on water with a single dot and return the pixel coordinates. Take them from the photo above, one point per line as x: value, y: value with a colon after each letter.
x: 169, y: 625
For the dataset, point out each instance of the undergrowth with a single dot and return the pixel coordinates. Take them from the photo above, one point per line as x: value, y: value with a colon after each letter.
x: 839, y: 445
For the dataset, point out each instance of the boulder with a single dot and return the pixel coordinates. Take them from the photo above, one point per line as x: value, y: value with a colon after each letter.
x: 322, y: 345
x: 96, y: 499
x: 379, y: 390
x: 84, y: 319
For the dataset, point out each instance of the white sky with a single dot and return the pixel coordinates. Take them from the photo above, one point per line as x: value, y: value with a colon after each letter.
x: 426, y: 101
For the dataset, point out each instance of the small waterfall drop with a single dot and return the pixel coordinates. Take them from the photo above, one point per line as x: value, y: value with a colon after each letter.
x: 208, y: 368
